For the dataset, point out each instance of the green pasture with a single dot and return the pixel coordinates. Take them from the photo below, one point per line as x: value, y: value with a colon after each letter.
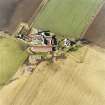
x: 67, y: 18
x: 12, y: 55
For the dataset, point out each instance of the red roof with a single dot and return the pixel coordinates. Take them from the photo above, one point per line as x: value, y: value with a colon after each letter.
x: 41, y: 48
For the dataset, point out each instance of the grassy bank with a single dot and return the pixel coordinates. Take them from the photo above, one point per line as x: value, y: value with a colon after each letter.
x: 12, y: 55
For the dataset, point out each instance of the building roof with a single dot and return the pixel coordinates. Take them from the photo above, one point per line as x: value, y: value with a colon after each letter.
x: 41, y: 48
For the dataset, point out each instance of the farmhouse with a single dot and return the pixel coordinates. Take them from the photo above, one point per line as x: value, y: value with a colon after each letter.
x: 42, y: 43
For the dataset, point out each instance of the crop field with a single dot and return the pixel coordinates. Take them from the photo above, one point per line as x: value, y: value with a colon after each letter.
x: 62, y: 83
x: 69, y: 18
x: 12, y: 55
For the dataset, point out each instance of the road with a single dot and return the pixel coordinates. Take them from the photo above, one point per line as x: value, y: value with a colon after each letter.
x: 12, y: 12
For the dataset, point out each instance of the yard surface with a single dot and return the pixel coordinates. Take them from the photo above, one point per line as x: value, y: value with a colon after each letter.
x: 63, y: 83
x: 12, y: 55
x: 69, y: 18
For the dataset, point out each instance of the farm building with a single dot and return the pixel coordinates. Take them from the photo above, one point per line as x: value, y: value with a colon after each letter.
x: 36, y: 39
x: 37, y: 49
x: 34, y: 59
x: 47, y: 40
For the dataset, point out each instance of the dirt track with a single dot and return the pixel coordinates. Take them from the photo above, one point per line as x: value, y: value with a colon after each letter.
x: 96, y: 32
x: 12, y: 12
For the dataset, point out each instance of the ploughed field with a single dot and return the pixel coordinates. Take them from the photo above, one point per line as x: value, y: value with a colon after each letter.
x: 12, y: 12
x: 96, y: 32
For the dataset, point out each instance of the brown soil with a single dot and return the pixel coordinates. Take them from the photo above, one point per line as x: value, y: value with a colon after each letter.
x: 96, y: 32
x: 15, y: 11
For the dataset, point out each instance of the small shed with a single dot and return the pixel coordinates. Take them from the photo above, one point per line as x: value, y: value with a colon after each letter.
x: 34, y: 59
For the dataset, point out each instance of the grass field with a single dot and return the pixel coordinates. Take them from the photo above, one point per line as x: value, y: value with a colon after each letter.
x: 68, y: 18
x: 12, y: 55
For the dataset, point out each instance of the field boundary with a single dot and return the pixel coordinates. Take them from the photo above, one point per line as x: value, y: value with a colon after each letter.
x: 93, y: 18
x: 42, y: 5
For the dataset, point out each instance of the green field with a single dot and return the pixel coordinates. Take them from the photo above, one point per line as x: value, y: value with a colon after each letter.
x: 68, y: 18
x: 12, y: 55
